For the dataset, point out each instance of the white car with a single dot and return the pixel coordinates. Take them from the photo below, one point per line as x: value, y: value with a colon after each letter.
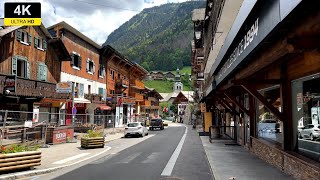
x: 310, y: 131
x: 135, y: 129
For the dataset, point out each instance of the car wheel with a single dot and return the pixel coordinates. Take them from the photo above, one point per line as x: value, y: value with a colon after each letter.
x: 311, y: 137
x: 147, y: 134
x: 126, y: 136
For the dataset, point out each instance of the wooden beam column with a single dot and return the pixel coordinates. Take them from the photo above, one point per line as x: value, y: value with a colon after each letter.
x: 227, y: 105
x: 252, y: 114
x: 286, y: 108
x: 237, y: 103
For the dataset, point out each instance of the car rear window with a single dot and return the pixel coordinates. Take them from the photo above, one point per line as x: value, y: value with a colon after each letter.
x: 133, y: 124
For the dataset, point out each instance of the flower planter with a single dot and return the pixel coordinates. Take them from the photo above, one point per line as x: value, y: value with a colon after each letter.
x: 92, y: 142
x: 20, y: 160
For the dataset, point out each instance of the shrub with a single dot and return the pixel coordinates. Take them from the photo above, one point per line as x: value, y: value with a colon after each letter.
x: 93, y: 134
x: 17, y: 148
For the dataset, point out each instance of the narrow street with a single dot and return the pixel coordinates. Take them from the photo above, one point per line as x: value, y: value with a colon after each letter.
x: 147, y: 160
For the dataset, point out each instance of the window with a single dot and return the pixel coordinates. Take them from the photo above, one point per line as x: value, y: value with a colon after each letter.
x: 112, y: 73
x: 90, y: 66
x: 112, y: 92
x: 76, y: 61
x: 40, y: 44
x: 306, y: 115
x: 101, y: 71
x: 23, y: 37
x: 269, y: 126
x: 81, y: 90
x: 119, y: 76
x: 20, y: 67
x: 42, y: 72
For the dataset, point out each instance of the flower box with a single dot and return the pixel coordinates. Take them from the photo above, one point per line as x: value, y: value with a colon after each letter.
x: 19, y: 160
x: 92, y: 142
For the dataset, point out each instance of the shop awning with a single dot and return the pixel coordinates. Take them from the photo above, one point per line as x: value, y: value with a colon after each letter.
x: 104, y: 107
x: 81, y: 100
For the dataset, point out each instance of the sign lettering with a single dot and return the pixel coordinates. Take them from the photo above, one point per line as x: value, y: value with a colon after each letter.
x: 22, y: 14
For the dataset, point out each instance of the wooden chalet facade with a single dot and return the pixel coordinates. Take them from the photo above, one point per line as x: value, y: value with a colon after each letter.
x: 30, y: 65
x: 151, y: 105
x: 264, y: 82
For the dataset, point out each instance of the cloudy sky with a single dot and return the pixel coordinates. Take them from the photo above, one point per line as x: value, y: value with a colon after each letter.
x: 96, y: 19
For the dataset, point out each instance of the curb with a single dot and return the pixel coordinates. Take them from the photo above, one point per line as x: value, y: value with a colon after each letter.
x: 20, y: 175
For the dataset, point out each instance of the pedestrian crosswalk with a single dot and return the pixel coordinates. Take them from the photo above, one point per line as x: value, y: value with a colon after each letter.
x: 140, y: 157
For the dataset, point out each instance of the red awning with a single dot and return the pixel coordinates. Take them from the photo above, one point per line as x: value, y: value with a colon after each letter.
x: 104, y: 107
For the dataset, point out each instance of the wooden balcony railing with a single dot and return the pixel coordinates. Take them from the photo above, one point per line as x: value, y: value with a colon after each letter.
x: 32, y: 88
x: 137, y: 84
x: 139, y: 97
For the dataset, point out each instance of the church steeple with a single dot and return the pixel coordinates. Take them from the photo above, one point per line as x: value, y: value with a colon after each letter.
x: 177, y: 86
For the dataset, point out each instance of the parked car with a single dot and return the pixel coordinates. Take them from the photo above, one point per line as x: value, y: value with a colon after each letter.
x: 310, y: 131
x: 135, y: 129
x: 273, y: 122
x: 156, y: 123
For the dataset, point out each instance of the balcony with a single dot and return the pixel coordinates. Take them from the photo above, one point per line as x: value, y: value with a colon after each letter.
x: 137, y: 84
x: 146, y: 103
x: 139, y: 97
x: 29, y: 88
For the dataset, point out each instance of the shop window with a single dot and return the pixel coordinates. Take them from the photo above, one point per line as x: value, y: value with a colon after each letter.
x: 20, y: 67
x: 269, y: 127
x: 306, y: 115
x: 76, y: 61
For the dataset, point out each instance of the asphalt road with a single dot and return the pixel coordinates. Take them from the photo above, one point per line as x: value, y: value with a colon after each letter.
x: 147, y: 160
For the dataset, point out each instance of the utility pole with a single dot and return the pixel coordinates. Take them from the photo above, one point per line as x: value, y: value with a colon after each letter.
x: 72, y: 98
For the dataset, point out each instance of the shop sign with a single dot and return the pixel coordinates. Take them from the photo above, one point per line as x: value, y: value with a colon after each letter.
x: 244, y: 43
x: 60, y: 136
x: 64, y: 87
x: 10, y: 84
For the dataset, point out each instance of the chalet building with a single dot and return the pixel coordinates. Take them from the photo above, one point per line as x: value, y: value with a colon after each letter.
x: 30, y: 65
x: 264, y: 80
x: 150, y: 105
x: 157, y: 75
x: 85, y: 70
x: 124, y: 85
x: 169, y: 75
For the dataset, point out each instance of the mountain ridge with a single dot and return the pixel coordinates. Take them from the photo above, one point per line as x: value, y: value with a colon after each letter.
x: 158, y: 38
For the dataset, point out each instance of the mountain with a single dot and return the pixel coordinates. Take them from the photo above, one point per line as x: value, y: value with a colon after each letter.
x: 158, y: 38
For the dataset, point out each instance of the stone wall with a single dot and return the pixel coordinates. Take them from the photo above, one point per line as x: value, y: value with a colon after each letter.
x: 292, y: 165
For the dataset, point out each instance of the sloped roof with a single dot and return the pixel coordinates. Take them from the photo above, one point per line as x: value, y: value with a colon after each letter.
x: 76, y: 32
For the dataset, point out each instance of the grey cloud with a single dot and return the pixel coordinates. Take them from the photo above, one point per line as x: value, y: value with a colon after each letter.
x: 89, y: 6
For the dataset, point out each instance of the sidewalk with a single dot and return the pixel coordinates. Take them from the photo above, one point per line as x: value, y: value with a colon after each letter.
x: 62, y: 155
x: 228, y: 160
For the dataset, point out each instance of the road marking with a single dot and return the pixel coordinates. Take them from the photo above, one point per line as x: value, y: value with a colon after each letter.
x: 71, y: 158
x: 172, y: 161
x: 130, y: 158
x: 151, y: 158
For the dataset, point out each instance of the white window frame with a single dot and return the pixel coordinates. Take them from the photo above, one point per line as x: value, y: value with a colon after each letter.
x: 76, y: 67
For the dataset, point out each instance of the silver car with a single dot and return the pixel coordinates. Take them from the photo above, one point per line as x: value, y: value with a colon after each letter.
x: 310, y: 131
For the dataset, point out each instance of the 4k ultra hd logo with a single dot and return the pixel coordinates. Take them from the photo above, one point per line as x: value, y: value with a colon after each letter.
x: 22, y: 14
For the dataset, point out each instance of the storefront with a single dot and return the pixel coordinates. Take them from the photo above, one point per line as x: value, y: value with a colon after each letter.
x: 266, y: 79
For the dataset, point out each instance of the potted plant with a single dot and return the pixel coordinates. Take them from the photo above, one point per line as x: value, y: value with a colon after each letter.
x: 19, y: 156
x: 92, y: 139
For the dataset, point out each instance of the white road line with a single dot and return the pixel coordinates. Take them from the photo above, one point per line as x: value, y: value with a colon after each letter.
x: 172, y: 161
x: 71, y: 158
x: 130, y: 158
x: 151, y: 158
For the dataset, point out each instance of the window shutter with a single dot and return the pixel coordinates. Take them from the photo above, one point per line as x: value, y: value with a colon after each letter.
x: 45, y: 72
x: 104, y: 71
x: 104, y: 94
x: 39, y: 71
x: 29, y: 39
x: 28, y: 69
x: 18, y: 35
x: 14, y: 65
x: 101, y: 91
x: 80, y: 62
x: 36, y: 42
x: 94, y: 68
x: 87, y: 66
x: 44, y: 46
x: 72, y: 59
x: 81, y: 91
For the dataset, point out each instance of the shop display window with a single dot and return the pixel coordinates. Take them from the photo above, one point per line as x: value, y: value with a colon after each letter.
x: 306, y: 115
x: 269, y: 127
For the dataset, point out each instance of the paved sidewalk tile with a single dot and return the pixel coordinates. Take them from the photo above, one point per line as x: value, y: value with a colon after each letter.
x: 229, y: 161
